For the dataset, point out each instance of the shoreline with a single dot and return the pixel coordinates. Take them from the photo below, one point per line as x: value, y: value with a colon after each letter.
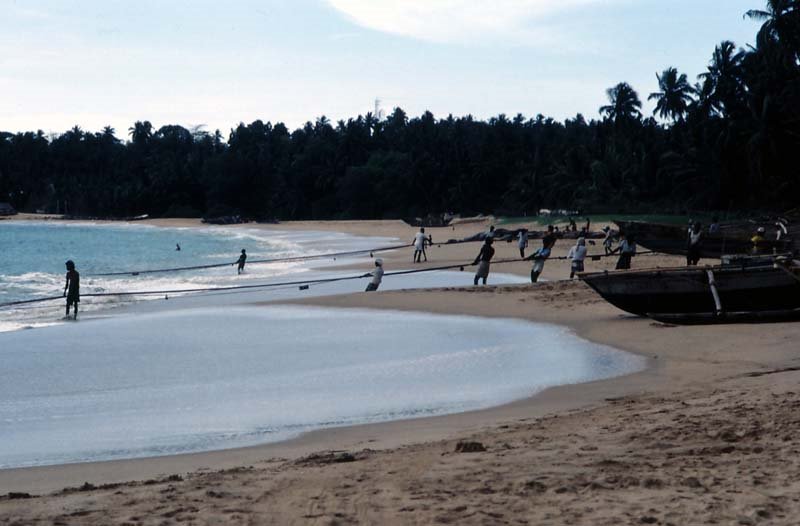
x: 31, y: 479
x: 698, y: 371
x: 42, y: 480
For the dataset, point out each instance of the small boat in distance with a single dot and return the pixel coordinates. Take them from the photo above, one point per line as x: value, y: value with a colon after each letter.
x: 732, y: 238
x: 744, y: 292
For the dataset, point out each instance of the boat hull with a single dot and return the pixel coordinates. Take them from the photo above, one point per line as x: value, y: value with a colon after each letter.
x: 687, y: 290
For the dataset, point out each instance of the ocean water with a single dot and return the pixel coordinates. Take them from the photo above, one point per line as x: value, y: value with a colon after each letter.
x: 32, y: 257
x: 199, y: 379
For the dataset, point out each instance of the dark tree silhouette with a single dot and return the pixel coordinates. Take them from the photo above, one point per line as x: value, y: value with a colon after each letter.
x: 730, y: 142
x: 674, y: 96
x: 625, y: 104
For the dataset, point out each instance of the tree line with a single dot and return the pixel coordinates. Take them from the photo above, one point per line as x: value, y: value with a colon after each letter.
x: 729, y: 141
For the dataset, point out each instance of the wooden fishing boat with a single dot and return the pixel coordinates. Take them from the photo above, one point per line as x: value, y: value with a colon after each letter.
x: 732, y: 238
x: 704, y: 294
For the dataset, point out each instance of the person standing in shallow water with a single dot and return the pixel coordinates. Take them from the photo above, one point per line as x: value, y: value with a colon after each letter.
x: 72, y: 288
x: 483, y: 260
x: 241, y: 261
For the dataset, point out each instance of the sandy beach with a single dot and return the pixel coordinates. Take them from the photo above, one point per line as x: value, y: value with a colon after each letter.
x: 706, y: 435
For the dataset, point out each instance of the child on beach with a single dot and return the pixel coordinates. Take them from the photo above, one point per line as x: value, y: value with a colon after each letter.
x: 72, y: 288
x: 577, y: 254
x: 377, y: 276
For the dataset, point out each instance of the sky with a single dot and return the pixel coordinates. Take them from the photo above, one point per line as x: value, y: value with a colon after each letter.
x: 95, y: 63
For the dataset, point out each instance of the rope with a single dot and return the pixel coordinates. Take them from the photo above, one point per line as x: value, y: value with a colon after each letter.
x: 230, y: 288
x: 459, y: 266
x: 251, y: 262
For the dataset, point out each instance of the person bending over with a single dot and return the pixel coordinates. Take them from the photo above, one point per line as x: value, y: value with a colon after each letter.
x: 541, y: 255
x: 377, y: 276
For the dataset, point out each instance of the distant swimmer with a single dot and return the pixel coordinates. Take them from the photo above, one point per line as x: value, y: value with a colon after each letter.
x: 541, y: 255
x: 241, y: 262
x: 483, y: 260
x: 377, y: 276
x: 72, y: 288
x: 177, y: 247
x: 420, y: 240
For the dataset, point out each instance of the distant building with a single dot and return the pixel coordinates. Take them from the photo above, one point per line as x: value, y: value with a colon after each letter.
x: 6, y: 209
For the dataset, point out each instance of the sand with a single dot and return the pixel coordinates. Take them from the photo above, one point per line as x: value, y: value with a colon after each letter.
x: 707, y: 434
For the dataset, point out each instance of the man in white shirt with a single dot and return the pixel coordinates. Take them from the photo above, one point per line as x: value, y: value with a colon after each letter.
x: 419, y: 245
x: 577, y: 254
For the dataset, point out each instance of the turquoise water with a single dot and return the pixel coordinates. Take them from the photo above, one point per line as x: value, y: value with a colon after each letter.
x: 33, y: 255
x: 32, y: 258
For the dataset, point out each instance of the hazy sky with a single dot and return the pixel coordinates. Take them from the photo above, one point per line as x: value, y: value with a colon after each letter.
x: 112, y: 62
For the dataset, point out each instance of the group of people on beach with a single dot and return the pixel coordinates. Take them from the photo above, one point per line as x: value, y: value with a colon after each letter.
x: 577, y: 254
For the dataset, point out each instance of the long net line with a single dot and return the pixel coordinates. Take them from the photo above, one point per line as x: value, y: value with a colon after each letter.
x: 306, y: 282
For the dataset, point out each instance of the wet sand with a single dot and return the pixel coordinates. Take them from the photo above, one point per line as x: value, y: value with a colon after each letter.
x: 707, y: 434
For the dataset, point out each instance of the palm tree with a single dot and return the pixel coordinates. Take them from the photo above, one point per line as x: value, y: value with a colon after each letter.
x: 625, y: 104
x: 780, y: 19
x: 674, y: 96
x: 140, y: 132
x: 724, y: 73
x: 703, y: 103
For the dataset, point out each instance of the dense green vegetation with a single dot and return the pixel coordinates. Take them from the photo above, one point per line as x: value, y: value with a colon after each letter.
x: 730, y: 141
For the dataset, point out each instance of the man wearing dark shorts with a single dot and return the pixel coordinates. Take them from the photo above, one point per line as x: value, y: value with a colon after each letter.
x: 241, y: 261
x: 72, y: 288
